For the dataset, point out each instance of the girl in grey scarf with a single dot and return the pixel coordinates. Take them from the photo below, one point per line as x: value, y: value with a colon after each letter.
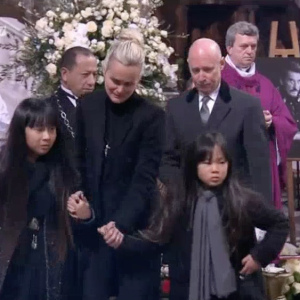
x: 220, y: 214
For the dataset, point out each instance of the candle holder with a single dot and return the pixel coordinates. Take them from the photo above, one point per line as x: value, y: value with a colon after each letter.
x: 275, y: 284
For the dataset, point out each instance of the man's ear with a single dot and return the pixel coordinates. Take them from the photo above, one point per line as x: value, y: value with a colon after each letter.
x: 63, y: 73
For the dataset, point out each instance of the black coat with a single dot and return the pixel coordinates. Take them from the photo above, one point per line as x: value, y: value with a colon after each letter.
x: 23, y: 270
x: 239, y: 117
x: 261, y: 215
x: 121, y: 187
x: 130, y: 179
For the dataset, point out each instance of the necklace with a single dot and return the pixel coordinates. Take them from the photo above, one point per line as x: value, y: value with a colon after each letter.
x: 63, y: 115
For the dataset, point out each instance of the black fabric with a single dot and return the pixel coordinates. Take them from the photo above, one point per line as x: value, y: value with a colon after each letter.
x: 122, y: 188
x: 31, y: 269
x: 262, y: 215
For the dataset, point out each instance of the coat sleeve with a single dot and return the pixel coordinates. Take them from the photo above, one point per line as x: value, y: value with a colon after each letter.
x: 256, y: 146
x: 143, y: 184
x: 266, y: 217
x: 284, y: 127
x: 170, y: 164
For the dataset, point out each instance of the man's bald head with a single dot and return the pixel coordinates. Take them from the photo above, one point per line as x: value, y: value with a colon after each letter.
x: 205, y: 63
x: 206, y: 46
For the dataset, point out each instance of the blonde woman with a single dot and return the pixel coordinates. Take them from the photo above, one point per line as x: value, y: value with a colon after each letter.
x: 120, y: 140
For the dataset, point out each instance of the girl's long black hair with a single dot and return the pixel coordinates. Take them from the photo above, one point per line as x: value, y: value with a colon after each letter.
x: 13, y: 168
x: 177, y: 206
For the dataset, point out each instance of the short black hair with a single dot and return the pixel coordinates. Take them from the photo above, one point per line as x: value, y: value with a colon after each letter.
x: 68, y: 59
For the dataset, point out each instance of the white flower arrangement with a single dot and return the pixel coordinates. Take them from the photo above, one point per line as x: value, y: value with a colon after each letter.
x: 95, y: 27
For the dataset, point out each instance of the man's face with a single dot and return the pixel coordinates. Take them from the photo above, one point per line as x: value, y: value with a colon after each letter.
x: 205, y: 69
x: 243, y: 51
x: 81, y: 79
x: 291, y: 84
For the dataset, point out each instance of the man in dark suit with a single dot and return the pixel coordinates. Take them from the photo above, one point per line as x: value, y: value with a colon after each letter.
x: 78, y: 69
x: 213, y: 105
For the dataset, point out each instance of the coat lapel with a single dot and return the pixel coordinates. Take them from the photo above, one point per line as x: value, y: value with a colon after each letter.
x: 221, y: 108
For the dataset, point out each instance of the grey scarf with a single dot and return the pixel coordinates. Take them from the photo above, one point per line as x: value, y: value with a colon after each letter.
x: 211, y: 271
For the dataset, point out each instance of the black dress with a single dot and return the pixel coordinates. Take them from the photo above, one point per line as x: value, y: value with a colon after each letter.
x: 35, y: 271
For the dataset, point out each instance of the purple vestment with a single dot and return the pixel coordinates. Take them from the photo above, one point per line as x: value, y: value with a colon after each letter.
x: 283, y: 128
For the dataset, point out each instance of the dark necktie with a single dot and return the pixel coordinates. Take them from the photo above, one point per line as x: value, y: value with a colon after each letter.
x: 204, y: 111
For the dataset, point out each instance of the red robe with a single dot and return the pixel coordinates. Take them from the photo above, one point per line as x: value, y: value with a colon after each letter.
x: 283, y: 128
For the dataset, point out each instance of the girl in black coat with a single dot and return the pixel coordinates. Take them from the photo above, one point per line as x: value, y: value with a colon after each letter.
x: 37, y: 259
x: 214, y: 253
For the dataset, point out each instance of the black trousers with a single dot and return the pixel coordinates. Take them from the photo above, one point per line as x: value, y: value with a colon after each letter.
x: 110, y: 272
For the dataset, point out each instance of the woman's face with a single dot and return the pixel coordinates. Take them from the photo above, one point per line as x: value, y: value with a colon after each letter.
x: 121, y: 81
x: 213, y: 172
x: 39, y: 140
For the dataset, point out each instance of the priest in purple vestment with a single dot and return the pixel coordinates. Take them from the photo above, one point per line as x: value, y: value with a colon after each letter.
x: 240, y: 72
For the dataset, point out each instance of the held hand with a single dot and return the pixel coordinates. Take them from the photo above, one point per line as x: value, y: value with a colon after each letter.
x: 111, y: 234
x: 79, y: 207
x: 268, y: 118
x: 249, y: 265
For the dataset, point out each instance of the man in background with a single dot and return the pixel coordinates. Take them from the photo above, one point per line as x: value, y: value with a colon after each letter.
x: 240, y: 72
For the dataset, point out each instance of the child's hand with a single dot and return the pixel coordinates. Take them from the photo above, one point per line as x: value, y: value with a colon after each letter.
x: 79, y: 207
x: 249, y: 265
x: 111, y: 234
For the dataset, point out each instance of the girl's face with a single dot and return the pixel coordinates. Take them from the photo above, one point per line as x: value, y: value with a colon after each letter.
x: 39, y: 140
x: 212, y: 172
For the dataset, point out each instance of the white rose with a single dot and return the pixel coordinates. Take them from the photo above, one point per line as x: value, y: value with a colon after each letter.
x: 157, y: 85
x: 162, y: 47
x: 296, y: 287
x: 87, y: 12
x: 164, y: 33
x: 117, y: 29
x: 51, y: 24
x: 110, y: 16
x: 171, y: 50
x: 26, y: 39
x: 51, y: 14
x: 91, y: 26
x: 103, y: 12
x: 134, y: 15
x: 67, y: 27
x: 107, y: 29
x: 133, y: 2
x: 118, y: 22
x: 41, y: 24
x: 78, y: 17
x: 167, y: 70
x: 101, y: 46
x: 152, y: 56
x: 109, y: 3
x: 51, y: 69
x: 51, y: 42
x: 64, y: 16
x: 125, y: 16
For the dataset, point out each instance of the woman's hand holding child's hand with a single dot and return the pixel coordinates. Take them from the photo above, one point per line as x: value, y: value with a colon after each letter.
x: 79, y: 207
x: 249, y: 265
x: 111, y: 234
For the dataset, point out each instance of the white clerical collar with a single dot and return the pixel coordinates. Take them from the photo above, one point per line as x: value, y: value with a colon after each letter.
x: 213, y: 96
x: 243, y: 72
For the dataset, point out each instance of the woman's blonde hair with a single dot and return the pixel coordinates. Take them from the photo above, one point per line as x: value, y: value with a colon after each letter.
x: 128, y: 49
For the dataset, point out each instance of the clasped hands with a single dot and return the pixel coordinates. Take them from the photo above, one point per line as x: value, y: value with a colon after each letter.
x: 268, y: 118
x: 79, y: 209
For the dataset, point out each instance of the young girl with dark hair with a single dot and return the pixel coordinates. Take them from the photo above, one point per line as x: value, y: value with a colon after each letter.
x: 213, y: 253
x: 37, y: 259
